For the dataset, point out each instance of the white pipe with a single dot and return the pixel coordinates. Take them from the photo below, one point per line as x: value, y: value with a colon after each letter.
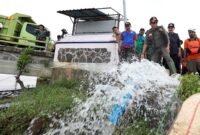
x: 124, y: 8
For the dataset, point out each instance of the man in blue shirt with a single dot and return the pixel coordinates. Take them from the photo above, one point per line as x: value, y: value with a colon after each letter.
x: 127, y: 43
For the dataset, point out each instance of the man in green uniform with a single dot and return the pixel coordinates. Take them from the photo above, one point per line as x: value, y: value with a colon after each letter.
x: 157, y: 37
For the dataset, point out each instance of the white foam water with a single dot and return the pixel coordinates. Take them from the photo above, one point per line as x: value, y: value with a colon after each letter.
x: 109, y: 88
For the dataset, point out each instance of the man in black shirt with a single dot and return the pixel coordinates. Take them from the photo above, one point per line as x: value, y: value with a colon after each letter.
x: 175, y: 47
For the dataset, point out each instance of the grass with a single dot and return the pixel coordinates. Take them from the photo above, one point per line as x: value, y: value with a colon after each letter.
x: 137, y: 127
x: 46, y: 99
x: 190, y: 85
x: 6, y: 100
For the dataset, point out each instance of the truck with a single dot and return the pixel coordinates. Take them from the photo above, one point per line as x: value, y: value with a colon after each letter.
x: 20, y: 30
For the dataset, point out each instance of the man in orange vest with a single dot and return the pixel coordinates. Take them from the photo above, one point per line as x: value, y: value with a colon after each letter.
x: 192, y: 52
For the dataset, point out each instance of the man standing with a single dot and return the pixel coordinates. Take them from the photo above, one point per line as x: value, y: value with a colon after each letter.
x: 127, y: 43
x: 192, y: 52
x: 140, y: 41
x: 175, y: 47
x: 158, y: 38
x: 116, y: 33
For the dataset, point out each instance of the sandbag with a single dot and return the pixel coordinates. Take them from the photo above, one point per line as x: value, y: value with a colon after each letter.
x: 188, y: 120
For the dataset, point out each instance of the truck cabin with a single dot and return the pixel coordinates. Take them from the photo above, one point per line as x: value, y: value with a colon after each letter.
x: 93, y: 20
x: 20, y: 29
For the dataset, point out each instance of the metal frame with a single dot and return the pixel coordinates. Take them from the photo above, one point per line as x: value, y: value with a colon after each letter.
x: 91, y: 10
x: 75, y: 20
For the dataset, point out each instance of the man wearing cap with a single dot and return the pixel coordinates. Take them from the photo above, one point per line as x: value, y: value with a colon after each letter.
x: 140, y: 41
x: 175, y: 47
x: 192, y: 52
x: 127, y: 43
x: 157, y: 37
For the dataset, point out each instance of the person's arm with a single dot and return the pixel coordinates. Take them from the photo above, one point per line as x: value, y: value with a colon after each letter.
x: 179, y: 46
x: 120, y: 42
x: 135, y: 43
x: 145, y: 46
x: 36, y: 31
x: 135, y: 48
x: 37, y: 34
x: 144, y: 51
x: 179, y: 52
x: 185, y: 49
x: 120, y: 45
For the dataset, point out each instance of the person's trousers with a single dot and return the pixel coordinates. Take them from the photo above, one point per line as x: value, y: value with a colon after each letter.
x: 126, y: 54
x: 177, y: 62
x: 193, y: 66
x: 162, y: 52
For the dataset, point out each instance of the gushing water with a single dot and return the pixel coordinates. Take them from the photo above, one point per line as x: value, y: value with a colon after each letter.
x: 139, y: 80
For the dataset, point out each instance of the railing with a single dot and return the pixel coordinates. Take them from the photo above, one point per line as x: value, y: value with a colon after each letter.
x: 29, y: 40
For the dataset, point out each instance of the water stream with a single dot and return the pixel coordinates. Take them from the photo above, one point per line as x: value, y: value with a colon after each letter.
x: 135, y: 84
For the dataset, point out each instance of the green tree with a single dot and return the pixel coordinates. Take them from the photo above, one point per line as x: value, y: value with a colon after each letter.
x: 23, y: 60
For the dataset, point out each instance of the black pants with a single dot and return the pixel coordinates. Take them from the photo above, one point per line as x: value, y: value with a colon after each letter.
x: 184, y: 70
x: 177, y: 62
x: 126, y: 54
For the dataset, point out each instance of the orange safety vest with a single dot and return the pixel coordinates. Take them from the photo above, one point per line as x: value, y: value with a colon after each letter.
x: 192, y: 48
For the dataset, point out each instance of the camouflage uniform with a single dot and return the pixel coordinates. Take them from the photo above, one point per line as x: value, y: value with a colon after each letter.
x: 158, y: 40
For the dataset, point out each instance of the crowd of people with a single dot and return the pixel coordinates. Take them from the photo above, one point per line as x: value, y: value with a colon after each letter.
x: 160, y: 46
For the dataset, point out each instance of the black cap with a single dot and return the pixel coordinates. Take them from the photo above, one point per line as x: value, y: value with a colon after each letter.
x: 142, y: 29
x: 153, y: 19
x: 171, y: 25
x: 114, y: 27
x: 41, y: 26
x: 64, y: 31
x: 127, y: 23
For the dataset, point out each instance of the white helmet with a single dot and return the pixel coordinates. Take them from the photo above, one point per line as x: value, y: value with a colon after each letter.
x: 192, y: 29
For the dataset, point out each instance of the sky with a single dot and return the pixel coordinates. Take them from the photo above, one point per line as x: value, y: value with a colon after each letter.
x: 183, y: 13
